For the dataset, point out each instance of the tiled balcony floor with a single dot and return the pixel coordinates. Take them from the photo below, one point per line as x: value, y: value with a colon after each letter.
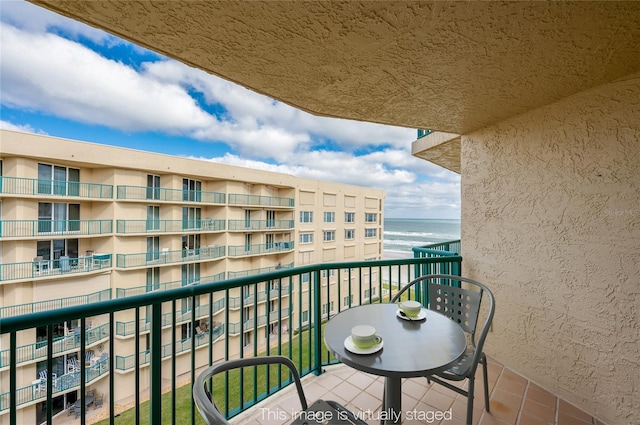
x: 514, y: 400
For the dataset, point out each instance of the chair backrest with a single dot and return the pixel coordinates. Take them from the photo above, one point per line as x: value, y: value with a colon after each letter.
x: 459, y: 299
x: 461, y: 305
x: 202, y: 394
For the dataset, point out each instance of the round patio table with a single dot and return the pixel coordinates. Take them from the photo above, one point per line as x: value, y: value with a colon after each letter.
x: 410, y: 348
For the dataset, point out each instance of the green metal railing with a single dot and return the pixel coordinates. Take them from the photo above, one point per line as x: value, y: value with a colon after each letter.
x: 63, y: 266
x: 245, y: 225
x: 51, y: 228
x: 435, y: 250
x: 422, y: 132
x: 137, y: 290
x: 168, y: 226
x: 287, y: 329
x: 158, y: 258
x: 44, y: 188
x: 144, y: 193
x: 265, y: 201
x: 29, y: 308
x: 275, y: 247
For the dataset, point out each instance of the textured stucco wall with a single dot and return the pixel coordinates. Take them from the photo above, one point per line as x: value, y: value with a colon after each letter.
x: 551, y: 222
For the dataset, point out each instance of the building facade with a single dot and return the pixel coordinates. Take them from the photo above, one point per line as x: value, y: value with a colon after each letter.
x: 83, y: 223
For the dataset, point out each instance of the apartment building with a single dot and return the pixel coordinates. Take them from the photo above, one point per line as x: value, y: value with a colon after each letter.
x: 82, y: 222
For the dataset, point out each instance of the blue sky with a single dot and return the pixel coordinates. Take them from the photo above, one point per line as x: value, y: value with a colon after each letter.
x: 65, y: 79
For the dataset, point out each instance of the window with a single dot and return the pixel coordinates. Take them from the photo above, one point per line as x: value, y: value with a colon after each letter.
x: 349, y: 217
x: 153, y: 248
x: 269, y: 238
x: 329, y: 235
x: 187, y: 303
x: 190, y: 273
x: 56, y: 248
x: 191, y: 218
x: 153, y: 217
x: 306, y: 238
x: 349, y: 234
x: 153, y: 278
x: 329, y: 217
x: 186, y: 331
x: 370, y: 218
x: 305, y: 277
x: 305, y: 316
x: 191, y: 190
x: 306, y: 216
x: 347, y: 300
x: 368, y: 292
x: 370, y: 233
x: 332, y: 272
x: 153, y: 186
x: 328, y: 307
x: 58, y: 217
x: 247, y: 242
x: 190, y: 245
x: 271, y: 219
x: 58, y: 180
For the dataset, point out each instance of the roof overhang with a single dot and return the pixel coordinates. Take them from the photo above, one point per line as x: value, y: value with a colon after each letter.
x: 447, y: 66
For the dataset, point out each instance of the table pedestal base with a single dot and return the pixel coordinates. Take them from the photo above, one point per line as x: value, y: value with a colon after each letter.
x: 392, y: 400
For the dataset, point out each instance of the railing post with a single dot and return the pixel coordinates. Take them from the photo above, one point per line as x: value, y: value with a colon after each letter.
x: 317, y: 324
x: 155, y: 410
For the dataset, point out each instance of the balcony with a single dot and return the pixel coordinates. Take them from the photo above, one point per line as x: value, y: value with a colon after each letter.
x: 127, y: 292
x: 248, y: 225
x: 54, y: 228
x: 21, y: 186
x: 260, y: 270
x: 36, y: 392
x: 30, y: 308
x: 38, y: 351
x: 249, y: 298
x: 129, y: 227
x: 287, y: 329
x: 144, y: 193
x: 260, y: 200
x: 126, y: 363
x: 161, y: 258
x: 127, y: 329
x: 48, y: 269
x: 257, y: 249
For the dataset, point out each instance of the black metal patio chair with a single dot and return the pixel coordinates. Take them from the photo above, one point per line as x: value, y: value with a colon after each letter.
x: 460, y: 299
x: 317, y: 413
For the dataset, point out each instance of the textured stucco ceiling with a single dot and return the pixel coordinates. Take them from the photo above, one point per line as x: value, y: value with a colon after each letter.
x: 447, y: 66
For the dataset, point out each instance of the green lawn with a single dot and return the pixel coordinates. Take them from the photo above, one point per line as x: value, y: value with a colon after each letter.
x: 300, y: 349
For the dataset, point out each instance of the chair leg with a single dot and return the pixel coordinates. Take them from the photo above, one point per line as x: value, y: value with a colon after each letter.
x: 470, y: 393
x: 483, y: 360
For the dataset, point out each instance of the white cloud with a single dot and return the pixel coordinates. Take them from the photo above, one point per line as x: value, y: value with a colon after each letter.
x: 26, y: 128
x: 253, y: 110
x: 33, y: 18
x: 52, y: 75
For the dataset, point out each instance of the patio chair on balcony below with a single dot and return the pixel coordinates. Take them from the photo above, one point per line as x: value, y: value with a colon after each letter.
x: 460, y: 299
x: 321, y: 408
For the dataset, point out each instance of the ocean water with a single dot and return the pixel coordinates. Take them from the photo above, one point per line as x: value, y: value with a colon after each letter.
x: 402, y: 234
